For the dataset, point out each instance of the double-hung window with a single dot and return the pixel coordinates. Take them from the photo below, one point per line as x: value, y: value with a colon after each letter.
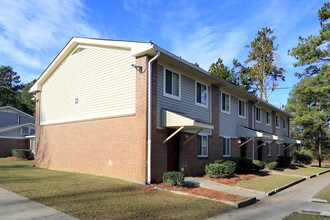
x: 277, y: 121
x: 225, y: 103
x: 226, y: 147
x: 202, y: 145
x: 283, y: 123
x: 241, y: 108
x: 267, y: 118
x: 258, y: 115
x: 269, y: 150
x: 201, y: 94
x: 172, y: 82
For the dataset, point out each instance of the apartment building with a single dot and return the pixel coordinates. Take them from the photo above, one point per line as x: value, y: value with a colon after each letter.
x: 132, y: 110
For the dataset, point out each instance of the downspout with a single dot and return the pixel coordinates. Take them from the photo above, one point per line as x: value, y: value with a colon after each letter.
x: 149, y: 116
x: 253, y: 126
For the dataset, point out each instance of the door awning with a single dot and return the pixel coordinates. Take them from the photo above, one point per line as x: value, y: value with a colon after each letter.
x: 174, y: 120
x: 289, y: 140
x: 248, y: 132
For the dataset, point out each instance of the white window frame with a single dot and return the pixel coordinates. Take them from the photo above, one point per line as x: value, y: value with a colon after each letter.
x: 283, y: 123
x: 269, y: 150
x: 224, y: 147
x: 278, y: 149
x: 277, y: 119
x: 207, y: 146
x: 258, y: 121
x: 164, y: 85
x: 270, y: 118
x: 229, y: 105
x: 207, y: 95
x: 25, y: 127
x: 242, y: 116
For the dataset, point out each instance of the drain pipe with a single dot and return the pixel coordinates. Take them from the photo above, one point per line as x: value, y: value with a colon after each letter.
x: 253, y: 125
x: 149, y: 116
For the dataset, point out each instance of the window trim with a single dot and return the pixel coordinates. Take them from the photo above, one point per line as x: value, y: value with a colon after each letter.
x: 207, y: 146
x: 207, y: 95
x: 277, y: 118
x: 283, y: 123
x: 164, y: 85
x: 270, y: 118
x: 260, y: 115
x: 29, y: 130
x: 229, y: 97
x: 240, y: 100
x: 229, y: 147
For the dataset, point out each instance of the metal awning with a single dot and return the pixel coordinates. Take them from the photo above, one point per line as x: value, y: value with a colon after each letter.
x: 248, y: 133
x: 174, y: 120
x: 289, y: 140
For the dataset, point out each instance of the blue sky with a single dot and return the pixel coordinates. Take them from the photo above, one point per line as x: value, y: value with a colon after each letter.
x: 33, y: 32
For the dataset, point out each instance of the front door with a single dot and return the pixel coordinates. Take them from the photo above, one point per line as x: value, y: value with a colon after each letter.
x: 243, y: 148
x: 173, y: 151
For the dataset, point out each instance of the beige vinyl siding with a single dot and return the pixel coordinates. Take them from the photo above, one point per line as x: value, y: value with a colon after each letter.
x: 101, y: 79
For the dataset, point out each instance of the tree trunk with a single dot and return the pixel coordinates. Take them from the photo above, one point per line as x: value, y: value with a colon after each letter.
x: 320, y: 149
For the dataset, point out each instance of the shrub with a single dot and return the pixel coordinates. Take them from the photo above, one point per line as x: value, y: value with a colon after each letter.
x: 301, y: 157
x: 216, y: 170
x: 284, y: 161
x: 173, y: 178
x: 271, y: 165
x: 258, y: 165
x: 22, y: 154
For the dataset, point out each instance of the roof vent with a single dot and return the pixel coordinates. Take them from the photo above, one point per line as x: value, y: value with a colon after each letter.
x: 79, y: 49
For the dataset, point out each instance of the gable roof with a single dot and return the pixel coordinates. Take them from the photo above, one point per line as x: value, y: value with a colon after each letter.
x: 15, y: 109
x: 14, y: 127
x: 139, y: 49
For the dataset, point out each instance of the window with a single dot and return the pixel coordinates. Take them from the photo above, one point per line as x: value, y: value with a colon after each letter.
x: 258, y: 115
x: 202, y: 146
x: 201, y: 94
x: 278, y: 150
x: 172, y: 82
x: 241, y: 108
x: 226, y: 147
x: 25, y: 130
x: 269, y: 149
x: 225, y: 103
x: 277, y: 121
x: 19, y: 120
x: 267, y: 118
x: 283, y: 123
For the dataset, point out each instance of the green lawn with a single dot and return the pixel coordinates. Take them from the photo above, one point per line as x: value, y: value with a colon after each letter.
x: 324, y: 193
x: 266, y: 183
x: 303, y: 170
x: 300, y: 216
x: 94, y: 197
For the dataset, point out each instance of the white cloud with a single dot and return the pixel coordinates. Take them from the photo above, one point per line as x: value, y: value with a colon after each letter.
x: 30, y: 30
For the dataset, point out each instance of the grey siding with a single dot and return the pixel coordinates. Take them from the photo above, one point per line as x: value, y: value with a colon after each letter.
x: 262, y: 126
x: 186, y: 106
x: 229, y: 122
x: 14, y: 133
x: 8, y: 119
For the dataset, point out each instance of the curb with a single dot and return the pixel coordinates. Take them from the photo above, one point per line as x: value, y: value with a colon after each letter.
x: 323, y: 172
x: 250, y: 190
x: 274, y: 191
x: 315, y: 212
x: 239, y: 204
x: 318, y: 200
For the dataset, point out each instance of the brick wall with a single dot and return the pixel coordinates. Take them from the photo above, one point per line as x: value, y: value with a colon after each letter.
x: 114, y: 147
x: 6, y: 145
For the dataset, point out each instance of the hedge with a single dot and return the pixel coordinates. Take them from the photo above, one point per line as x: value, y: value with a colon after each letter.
x: 223, y: 169
x: 22, y: 154
x: 284, y: 161
x: 244, y: 165
x: 258, y: 165
x: 301, y: 157
x: 271, y: 165
x: 173, y: 178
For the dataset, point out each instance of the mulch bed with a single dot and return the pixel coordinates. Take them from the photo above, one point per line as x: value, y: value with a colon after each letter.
x: 231, y: 180
x: 197, y: 191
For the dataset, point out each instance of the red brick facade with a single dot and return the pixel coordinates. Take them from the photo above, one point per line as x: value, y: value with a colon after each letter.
x: 6, y: 145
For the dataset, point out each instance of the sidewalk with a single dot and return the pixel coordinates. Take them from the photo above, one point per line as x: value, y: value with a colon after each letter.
x: 16, y: 207
x: 224, y: 188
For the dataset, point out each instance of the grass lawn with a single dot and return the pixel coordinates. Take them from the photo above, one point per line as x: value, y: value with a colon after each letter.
x: 324, y: 193
x: 94, y: 197
x: 266, y: 183
x: 303, y: 170
x: 300, y: 216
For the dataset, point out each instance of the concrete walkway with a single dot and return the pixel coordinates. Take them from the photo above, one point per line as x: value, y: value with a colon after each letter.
x: 295, y: 198
x: 16, y: 207
x: 224, y: 188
